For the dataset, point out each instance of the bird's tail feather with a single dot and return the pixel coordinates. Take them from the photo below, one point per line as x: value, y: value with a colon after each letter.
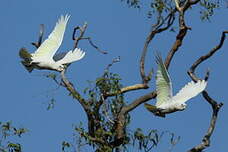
x: 151, y: 108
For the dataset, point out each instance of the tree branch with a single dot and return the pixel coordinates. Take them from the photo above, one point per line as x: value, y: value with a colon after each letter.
x: 82, y: 32
x: 191, y: 71
x: 155, y: 30
x: 76, y: 95
x: 214, y: 105
x: 81, y: 37
x: 127, y: 89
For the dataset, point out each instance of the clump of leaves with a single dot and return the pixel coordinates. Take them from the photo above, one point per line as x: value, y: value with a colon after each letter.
x: 8, y: 131
x: 208, y: 8
x: 133, y: 3
x: 104, y: 109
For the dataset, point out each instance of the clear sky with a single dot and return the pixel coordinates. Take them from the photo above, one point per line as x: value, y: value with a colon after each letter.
x: 121, y: 31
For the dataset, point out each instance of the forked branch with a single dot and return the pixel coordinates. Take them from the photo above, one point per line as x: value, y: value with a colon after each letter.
x: 214, y: 104
x: 81, y: 37
x: 155, y: 30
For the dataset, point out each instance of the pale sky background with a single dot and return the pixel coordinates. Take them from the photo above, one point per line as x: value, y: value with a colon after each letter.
x: 121, y: 31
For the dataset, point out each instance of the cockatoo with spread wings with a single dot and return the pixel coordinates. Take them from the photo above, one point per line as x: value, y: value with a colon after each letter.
x: 45, y: 56
x: 166, y: 102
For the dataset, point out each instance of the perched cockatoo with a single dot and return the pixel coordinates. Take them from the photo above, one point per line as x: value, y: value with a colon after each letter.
x: 45, y: 58
x: 166, y: 102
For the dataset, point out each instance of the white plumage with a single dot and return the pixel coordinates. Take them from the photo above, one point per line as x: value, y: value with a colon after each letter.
x: 45, y: 56
x: 166, y: 102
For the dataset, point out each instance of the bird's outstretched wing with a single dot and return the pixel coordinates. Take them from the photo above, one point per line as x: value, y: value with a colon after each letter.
x: 49, y: 47
x: 163, y: 83
x: 70, y: 56
x: 189, y: 91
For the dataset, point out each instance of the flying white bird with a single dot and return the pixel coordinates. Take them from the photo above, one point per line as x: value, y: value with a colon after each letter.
x: 166, y: 102
x: 45, y: 56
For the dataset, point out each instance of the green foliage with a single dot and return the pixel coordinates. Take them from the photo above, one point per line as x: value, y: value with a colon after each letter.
x: 104, y: 109
x: 160, y: 8
x: 152, y: 139
x: 51, y: 104
x: 8, y: 131
x: 133, y: 3
x: 208, y: 8
x: 65, y: 146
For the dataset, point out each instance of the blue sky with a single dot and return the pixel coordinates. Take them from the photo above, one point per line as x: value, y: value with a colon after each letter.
x: 121, y: 31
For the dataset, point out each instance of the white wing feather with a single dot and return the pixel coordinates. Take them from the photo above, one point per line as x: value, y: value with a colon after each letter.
x: 189, y: 91
x: 49, y: 47
x: 72, y: 56
x: 163, y: 83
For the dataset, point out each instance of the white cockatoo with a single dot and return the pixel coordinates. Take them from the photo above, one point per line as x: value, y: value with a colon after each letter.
x: 166, y: 102
x: 45, y: 56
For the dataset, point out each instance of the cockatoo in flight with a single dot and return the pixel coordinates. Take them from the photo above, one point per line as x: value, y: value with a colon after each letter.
x: 166, y: 102
x: 45, y: 56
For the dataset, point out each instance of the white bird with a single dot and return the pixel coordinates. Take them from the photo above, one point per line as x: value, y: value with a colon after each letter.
x: 45, y: 56
x: 166, y: 102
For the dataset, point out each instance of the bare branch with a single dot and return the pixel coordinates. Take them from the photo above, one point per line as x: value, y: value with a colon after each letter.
x: 206, y: 139
x: 41, y: 34
x: 93, y: 45
x: 177, y: 5
x: 155, y: 30
x: 81, y: 37
x: 82, y: 31
x: 214, y: 105
x: 205, y: 57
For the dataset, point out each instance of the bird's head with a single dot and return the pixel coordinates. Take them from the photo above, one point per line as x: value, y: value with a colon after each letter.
x: 181, y: 106
x: 60, y: 67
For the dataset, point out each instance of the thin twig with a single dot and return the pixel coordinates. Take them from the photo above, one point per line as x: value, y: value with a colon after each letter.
x: 93, y: 45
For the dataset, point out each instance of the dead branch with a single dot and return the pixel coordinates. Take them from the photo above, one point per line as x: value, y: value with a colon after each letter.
x: 82, y: 32
x: 214, y: 104
x: 81, y: 37
x: 93, y: 45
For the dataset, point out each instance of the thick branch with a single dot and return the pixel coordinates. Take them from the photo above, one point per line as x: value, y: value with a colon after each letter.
x: 127, y: 89
x: 76, y: 95
x: 73, y: 91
